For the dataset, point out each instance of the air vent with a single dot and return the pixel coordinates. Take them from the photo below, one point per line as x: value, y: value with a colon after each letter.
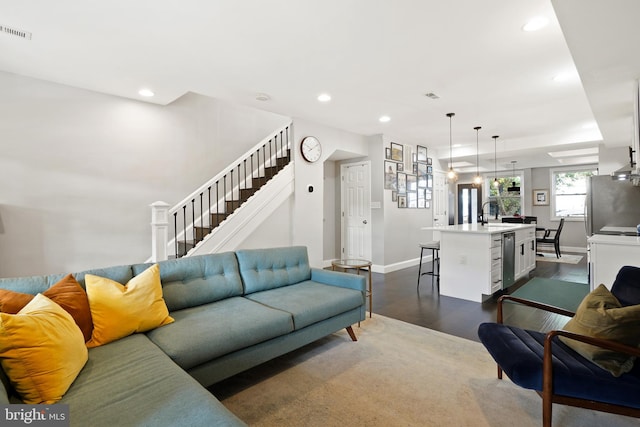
x: 15, y: 32
x: 431, y: 95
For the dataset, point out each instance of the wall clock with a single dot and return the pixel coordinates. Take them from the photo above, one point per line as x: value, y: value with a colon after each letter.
x: 310, y: 149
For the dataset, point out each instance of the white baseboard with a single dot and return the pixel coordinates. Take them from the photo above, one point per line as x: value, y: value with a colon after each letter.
x: 376, y: 268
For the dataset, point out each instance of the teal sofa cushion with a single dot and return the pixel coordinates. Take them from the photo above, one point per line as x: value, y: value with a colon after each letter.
x: 201, y: 334
x: 263, y: 269
x: 131, y: 382
x: 192, y: 281
x: 310, y: 302
x: 121, y: 274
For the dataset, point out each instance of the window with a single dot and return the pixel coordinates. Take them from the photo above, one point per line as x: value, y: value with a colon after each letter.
x: 569, y: 192
x: 507, y: 203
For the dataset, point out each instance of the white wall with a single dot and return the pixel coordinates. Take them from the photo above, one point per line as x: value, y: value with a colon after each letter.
x: 79, y: 169
x: 308, y: 229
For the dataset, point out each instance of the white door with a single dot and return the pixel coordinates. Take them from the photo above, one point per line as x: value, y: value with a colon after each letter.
x: 440, y: 198
x: 356, y: 210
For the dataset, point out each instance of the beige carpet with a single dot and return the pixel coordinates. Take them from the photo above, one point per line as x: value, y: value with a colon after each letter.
x: 397, y: 374
x: 564, y: 259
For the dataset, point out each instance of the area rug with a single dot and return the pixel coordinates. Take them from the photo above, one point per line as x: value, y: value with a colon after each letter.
x: 397, y: 374
x: 564, y: 259
x: 560, y: 293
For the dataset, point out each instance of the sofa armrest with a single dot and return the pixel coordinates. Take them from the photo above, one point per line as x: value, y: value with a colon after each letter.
x: 533, y: 304
x: 338, y: 278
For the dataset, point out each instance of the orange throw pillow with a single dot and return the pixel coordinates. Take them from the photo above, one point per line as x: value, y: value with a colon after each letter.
x: 67, y: 293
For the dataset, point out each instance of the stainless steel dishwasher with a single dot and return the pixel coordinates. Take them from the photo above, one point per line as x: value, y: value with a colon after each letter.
x: 508, y: 259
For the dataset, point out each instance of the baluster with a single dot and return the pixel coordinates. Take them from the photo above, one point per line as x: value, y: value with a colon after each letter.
x: 239, y: 193
x: 201, y: 217
x: 282, y: 151
x: 209, y: 203
x: 224, y: 195
x: 264, y: 163
x: 184, y: 229
x: 245, y: 173
x: 193, y: 219
x: 232, y: 204
x: 175, y: 232
x: 217, y: 202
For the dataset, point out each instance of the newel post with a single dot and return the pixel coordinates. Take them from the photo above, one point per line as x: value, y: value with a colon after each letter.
x: 159, y: 231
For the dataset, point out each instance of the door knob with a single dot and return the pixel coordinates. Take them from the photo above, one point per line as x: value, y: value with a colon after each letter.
x: 364, y: 222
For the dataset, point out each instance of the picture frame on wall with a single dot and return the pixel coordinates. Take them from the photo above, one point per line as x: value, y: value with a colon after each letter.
x: 402, y: 183
x: 415, y: 168
x: 541, y: 197
x: 397, y: 152
x: 422, y: 153
x: 400, y: 167
x: 387, y: 153
x: 429, y: 161
x: 429, y: 181
x: 402, y: 201
x: 427, y: 204
x: 390, y: 175
x: 412, y: 199
x: 412, y: 183
x: 430, y: 170
x: 421, y: 198
x: 421, y: 172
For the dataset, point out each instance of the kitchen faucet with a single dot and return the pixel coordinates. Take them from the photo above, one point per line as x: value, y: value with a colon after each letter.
x: 482, y: 219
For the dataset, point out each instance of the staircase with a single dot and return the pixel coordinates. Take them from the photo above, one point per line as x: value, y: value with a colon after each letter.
x: 230, y: 204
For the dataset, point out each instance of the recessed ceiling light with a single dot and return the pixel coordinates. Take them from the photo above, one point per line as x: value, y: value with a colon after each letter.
x: 146, y: 92
x: 262, y: 97
x: 535, y: 24
x: 384, y: 119
x: 324, y: 97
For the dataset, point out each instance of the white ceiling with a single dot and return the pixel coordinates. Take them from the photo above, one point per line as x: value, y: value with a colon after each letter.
x: 374, y: 57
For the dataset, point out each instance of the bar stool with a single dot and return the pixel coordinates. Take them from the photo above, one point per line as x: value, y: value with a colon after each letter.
x: 434, y: 246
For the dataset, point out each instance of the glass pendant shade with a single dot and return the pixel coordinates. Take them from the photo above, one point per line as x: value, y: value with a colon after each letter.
x: 477, y: 180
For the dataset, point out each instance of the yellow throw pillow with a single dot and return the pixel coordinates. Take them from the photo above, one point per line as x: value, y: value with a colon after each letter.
x: 601, y: 315
x: 42, y: 350
x: 118, y: 311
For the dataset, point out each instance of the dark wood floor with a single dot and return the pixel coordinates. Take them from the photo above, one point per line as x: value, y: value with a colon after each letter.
x: 395, y: 295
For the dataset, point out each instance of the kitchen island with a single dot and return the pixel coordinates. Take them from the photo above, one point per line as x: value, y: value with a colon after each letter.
x: 478, y: 260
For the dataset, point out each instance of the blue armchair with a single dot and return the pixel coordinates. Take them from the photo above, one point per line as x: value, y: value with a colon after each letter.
x: 544, y: 363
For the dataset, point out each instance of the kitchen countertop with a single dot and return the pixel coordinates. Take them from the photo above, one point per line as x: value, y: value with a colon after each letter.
x: 615, y: 240
x: 490, y: 228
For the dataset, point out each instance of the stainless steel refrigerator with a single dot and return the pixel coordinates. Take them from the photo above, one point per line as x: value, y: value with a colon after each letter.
x: 613, y: 207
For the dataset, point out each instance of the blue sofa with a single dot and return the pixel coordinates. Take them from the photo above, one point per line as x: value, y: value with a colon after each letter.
x: 232, y: 311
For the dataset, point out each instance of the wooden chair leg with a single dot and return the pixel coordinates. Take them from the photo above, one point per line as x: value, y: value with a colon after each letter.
x: 351, y: 333
x: 499, y: 373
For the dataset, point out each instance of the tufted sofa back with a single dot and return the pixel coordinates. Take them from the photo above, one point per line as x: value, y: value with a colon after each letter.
x: 192, y: 281
x: 263, y: 269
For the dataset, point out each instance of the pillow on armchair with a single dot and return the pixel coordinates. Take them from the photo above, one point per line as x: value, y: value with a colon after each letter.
x: 600, y: 315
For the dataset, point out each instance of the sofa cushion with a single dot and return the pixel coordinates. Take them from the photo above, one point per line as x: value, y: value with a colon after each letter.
x: 67, y: 293
x: 198, y: 280
x: 131, y: 382
x: 263, y: 269
x: 201, y: 334
x: 42, y: 350
x: 119, y: 310
x: 310, y: 302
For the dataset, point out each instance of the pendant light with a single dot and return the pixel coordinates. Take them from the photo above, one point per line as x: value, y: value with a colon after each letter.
x: 477, y: 180
x: 451, y: 174
x: 514, y: 188
x: 495, y: 163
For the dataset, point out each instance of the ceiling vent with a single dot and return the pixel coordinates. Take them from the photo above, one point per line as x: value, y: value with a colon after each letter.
x: 15, y: 32
x: 431, y: 95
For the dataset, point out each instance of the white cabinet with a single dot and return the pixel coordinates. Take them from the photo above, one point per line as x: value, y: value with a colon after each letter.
x: 496, y: 263
x: 525, y: 256
x: 607, y: 254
